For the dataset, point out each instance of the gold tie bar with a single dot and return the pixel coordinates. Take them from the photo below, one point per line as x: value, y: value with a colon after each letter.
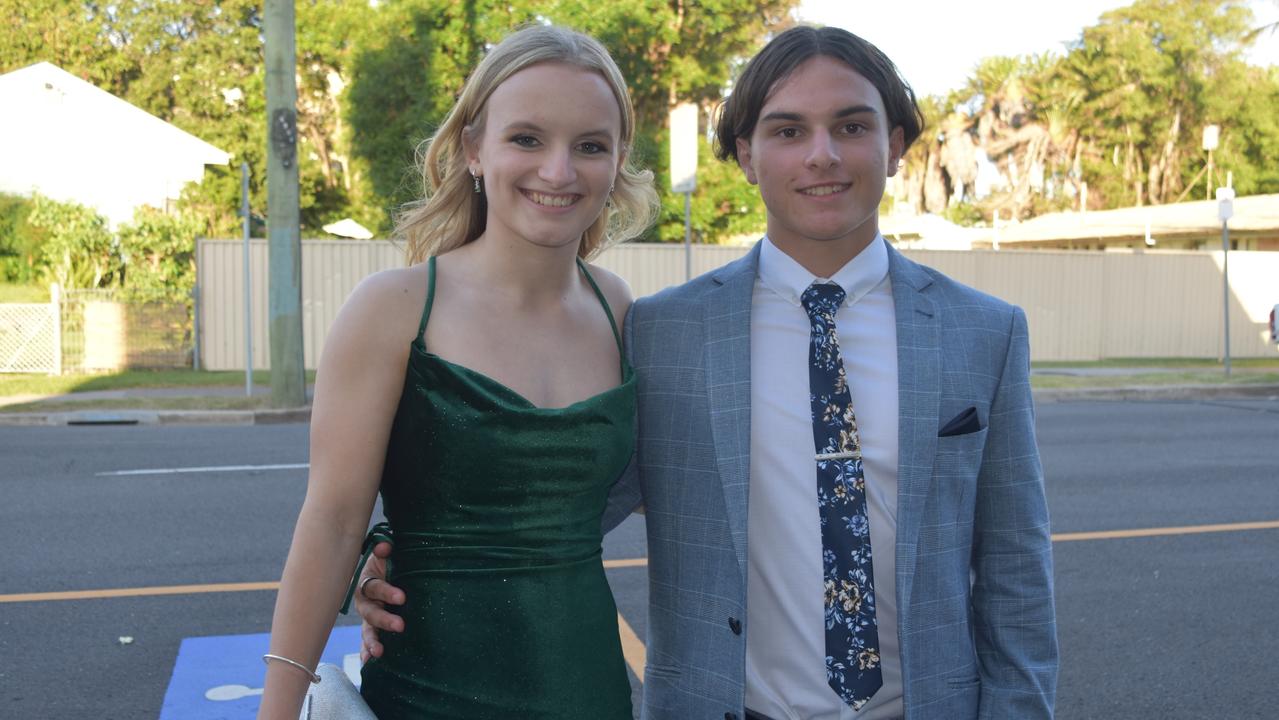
x: 847, y: 455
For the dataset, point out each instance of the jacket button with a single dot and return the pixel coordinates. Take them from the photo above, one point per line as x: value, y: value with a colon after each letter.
x: 735, y: 625
x: 730, y: 716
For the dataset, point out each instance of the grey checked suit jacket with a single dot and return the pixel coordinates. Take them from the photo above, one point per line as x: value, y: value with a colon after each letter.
x: 974, y: 568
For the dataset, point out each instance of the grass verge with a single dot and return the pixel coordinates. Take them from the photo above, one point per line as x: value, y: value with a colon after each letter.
x: 22, y: 384
x: 202, y: 402
x: 1250, y: 363
x: 11, y: 293
x: 1045, y: 382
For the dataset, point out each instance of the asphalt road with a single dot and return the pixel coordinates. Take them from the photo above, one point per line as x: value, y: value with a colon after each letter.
x: 1178, y: 625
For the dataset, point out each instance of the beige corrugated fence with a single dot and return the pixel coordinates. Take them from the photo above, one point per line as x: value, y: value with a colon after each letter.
x: 1080, y: 305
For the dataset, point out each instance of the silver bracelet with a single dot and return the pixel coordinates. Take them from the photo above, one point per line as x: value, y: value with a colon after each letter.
x: 267, y: 658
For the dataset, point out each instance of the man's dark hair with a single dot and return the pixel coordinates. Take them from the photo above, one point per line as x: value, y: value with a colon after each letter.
x: 740, y: 112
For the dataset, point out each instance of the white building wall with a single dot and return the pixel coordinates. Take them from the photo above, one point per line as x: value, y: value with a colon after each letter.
x: 71, y: 141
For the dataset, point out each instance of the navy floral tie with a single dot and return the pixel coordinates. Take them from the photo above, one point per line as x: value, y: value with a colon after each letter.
x: 852, y: 640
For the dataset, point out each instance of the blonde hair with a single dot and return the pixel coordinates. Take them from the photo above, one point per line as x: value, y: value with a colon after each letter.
x: 451, y: 214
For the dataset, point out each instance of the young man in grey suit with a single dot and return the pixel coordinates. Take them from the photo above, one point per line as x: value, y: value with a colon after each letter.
x: 913, y: 579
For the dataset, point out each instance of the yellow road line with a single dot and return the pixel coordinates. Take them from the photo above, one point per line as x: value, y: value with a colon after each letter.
x: 629, y: 562
x: 632, y: 648
x: 625, y: 563
x: 1153, y: 532
x: 139, y: 592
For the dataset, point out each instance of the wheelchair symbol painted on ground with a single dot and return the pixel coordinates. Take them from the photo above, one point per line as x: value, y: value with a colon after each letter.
x: 221, y: 677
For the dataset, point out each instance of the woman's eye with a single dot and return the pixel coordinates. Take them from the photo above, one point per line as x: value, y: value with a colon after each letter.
x: 524, y: 140
x: 593, y: 148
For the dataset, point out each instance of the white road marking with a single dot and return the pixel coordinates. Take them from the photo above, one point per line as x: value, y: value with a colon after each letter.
x: 209, y: 469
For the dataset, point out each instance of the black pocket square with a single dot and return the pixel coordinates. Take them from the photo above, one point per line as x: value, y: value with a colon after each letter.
x: 962, y: 424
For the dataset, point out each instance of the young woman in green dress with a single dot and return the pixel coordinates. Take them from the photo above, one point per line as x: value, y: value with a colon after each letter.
x: 482, y: 390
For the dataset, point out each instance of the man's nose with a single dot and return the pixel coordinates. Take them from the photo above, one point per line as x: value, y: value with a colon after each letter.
x: 822, y: 152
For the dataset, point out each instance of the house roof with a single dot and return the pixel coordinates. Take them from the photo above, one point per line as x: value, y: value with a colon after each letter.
x: 69, y: 140
x: 104, y: 110
x: 1254, y: 215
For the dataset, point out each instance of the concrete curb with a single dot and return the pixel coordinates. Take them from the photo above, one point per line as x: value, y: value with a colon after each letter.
x: 1158, y: 392
x: 159, y: 417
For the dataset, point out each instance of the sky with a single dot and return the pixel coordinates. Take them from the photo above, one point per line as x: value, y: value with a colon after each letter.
x: 937, y: 43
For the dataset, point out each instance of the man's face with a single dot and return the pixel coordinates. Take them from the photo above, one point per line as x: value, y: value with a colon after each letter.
x: 821, y: 154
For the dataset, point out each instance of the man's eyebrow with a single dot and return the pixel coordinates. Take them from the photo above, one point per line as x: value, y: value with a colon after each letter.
x: 785, y: 116
x: 782, y: 116
x: 856, y: 110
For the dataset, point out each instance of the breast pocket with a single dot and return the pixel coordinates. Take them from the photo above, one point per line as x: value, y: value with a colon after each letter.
x: 955, y: 472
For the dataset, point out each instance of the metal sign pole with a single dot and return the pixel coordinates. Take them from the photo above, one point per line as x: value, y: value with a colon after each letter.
x: 1225, y: 287
x: 1225, y: 209
x: 688, y: 236
x: 248, y: 288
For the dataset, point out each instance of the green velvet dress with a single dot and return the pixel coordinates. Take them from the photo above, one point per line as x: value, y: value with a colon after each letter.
x: 494, y: 508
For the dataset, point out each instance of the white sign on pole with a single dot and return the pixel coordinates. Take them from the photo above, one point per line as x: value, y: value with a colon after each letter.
x: 684, y: 148
x: 1225, y: 203
x: 1211, y: 133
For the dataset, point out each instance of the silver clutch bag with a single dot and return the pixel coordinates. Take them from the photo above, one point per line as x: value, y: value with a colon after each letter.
x: 334, y: 698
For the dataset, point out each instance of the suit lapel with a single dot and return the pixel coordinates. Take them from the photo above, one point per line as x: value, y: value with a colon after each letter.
x: 727, y: 327
x: 918, y: 387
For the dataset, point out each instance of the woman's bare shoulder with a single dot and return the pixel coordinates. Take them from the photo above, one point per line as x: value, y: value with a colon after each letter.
x: 385, y: 306
x: 616, y: 291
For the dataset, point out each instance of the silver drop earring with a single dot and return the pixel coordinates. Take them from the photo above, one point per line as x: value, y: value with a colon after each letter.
x: 476, y: 178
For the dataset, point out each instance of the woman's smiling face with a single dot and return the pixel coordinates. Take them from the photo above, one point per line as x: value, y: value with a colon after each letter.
x: 547, y: 153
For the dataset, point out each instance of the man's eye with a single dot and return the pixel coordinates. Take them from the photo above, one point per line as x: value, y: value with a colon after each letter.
x: 788, y: 132
x: 854, y: 128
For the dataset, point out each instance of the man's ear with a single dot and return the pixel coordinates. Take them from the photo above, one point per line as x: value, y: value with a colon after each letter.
x: 744, y: 160
x: 896, y: 149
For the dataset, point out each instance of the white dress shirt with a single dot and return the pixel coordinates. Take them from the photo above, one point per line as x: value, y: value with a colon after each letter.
x: 786, y: 638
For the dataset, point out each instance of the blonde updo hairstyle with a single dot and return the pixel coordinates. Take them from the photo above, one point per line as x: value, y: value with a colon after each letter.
x: 452, y: 214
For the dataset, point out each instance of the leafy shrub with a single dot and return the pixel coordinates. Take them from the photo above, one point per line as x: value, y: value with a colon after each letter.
x: 158, y: 253
x: 78, y: 250
x: 19, y: 241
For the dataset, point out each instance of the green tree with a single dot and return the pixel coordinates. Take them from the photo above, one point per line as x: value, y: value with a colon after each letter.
x: 374, y: 80
x: 1152, y: 75
x: 1122, y: 111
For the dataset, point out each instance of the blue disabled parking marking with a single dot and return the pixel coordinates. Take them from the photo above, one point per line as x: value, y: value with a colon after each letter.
x: 220, y: 677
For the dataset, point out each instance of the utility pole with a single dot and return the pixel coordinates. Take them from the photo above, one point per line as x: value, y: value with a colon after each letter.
x: 283, y: 224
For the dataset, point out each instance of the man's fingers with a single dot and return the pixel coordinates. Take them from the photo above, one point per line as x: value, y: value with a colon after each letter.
x: 369, y: 646
x: 379, y: 619
x: 381, y: 591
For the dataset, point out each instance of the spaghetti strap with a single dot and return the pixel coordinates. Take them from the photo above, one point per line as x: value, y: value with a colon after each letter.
x: 612, y: 323
x: 430, y: 298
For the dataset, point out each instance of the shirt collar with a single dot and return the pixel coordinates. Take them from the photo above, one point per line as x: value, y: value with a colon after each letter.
x: 780, y: 273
